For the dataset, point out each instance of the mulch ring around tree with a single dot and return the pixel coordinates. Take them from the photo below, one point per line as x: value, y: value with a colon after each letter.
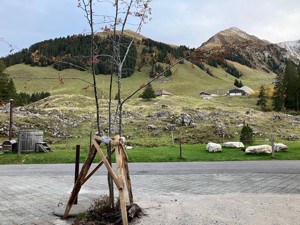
x: 100, y: 213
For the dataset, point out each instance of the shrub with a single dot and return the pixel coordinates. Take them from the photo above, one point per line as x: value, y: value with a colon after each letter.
x: 246, y: 135
x: 148, y: 93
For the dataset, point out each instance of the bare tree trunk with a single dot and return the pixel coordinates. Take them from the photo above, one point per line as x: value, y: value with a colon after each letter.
x: 109, y: 178
x: 119, y: 102
x: 93, y: 54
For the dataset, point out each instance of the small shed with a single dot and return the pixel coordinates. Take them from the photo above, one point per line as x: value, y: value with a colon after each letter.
x: 27, y: 140
x: 162, y: 93
x: 236, y: 92
x: 245, y: 90
x: 9, y: 146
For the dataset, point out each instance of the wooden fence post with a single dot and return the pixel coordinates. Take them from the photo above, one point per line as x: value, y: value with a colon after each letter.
x: 172, y: 136
x: 273, y: 146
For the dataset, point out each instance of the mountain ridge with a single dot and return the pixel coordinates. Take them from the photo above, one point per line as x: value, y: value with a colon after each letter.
x: 231, y: 35
x: 292, y: 47
x: 237, y: 45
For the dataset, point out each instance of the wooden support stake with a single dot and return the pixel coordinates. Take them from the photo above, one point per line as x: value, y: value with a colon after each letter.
x: 123, y: 171
x: 119, y: 159
x: 96, y: 168
x: 106, y: 163
x: 84, y: 170
x: 127, y: 176
x: 77, y: 161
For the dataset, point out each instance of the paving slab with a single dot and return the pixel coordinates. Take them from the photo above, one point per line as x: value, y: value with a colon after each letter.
x: 33, y: 198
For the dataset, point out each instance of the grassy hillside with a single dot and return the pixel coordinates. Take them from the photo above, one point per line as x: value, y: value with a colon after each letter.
x: 70, y: 112
x: 187, y: 80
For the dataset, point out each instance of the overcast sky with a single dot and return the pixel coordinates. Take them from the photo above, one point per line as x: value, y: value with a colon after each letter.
x: 181, y: 22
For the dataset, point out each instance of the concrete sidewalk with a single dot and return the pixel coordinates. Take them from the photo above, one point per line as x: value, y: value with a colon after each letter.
x: 32, y: 199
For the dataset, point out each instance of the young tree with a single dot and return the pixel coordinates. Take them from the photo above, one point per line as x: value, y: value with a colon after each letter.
x: 241, y: 84
x: 148, y: 93
x: 125, y: 13
x: 262, y: 98
x: 246, y: 135
x: 237, y: 83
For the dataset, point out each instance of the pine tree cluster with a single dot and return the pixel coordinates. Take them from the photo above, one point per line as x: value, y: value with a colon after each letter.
x: 287, y: 88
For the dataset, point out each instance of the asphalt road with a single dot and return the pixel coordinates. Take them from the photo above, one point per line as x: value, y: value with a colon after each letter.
x: 247, y: 192
x: 178, y: 168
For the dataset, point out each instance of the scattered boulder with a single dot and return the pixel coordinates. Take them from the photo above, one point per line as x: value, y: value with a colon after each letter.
x: 184, y: 120
x: 170, y: 127
x: 213, y: 147
x: 164, y: 114
x: 259, y: 149
x: 296, y: 119
x: 249, y: 111
x: 150, y: 117
x: 156, y: 133
x: 292, y: 137
x: 276, y: 117
x: 281, y: 132
x: 233, y: 145
x: 279, y: 147
x: 152, y: 127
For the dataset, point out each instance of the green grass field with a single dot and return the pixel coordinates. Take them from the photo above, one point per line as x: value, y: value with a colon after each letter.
x: 190, y: 153
x: 187, y: 80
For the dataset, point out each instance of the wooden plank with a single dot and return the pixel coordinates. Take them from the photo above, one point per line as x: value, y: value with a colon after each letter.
x: 124, y: 152
x: 84, y: 170
x: 96, y: 168
x: 122, y: 194
x: 106, y: 163
x: 127, y: 176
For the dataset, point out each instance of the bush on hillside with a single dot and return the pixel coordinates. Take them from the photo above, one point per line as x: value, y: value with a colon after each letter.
x: 246, y: 135
x: 148, y: 93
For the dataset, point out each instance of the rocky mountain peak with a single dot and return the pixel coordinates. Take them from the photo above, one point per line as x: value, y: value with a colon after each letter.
x: 292, y: 47
x: 231, y: 36
x: 236, y: 45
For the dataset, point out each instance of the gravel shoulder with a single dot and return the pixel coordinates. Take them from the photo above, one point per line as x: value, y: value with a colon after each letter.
x: 227, y: 209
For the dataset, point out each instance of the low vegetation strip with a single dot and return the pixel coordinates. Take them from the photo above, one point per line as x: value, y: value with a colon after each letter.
x: 190, y: 153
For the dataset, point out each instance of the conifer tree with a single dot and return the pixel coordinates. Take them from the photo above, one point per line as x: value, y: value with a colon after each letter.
x: 246, y: 135
x: 241, y: 84
x: 291, y: 83
x: 236, y: 83
x: 262, y: 98
x: 7, y: 86
x: 279, y: 94
x: 148, y: 93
